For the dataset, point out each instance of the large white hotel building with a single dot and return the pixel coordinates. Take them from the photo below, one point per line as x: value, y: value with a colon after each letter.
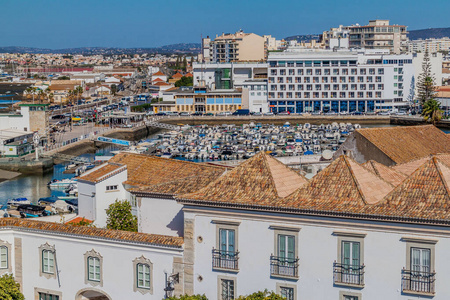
x: 311, y: 80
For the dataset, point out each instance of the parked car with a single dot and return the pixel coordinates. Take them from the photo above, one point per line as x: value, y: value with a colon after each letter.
x: 257, y: 114
x: 185, y: 114
x: 241, y: 112
x: 209, y: 114
x: 284, y: 113
x: 269, y: 113
x: 161, y: 113
x: 357, y: 113
x: 198, y: 113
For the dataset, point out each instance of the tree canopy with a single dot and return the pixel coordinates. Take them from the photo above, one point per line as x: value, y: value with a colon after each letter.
x: 119, y: 217
x: 9, y: 288
x: 425, y: 83
x: 185, y: 81
x: 431, y: 111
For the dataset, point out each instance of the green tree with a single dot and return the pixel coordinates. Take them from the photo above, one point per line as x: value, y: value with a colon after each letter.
x: 425, y: 83
x: 9, y: 288
x: 192, y: 60
x: 264, y: 295
x: 431, y: 111
x: 187, y: 297
x: 119, y: 217
x: 185, y: 81
x: 184, y: 63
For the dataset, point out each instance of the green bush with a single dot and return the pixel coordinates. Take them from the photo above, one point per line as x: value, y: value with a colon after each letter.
x: 119, y: 217
x: 264, y: 295
x: 186, y: 297
x: 10, y: 289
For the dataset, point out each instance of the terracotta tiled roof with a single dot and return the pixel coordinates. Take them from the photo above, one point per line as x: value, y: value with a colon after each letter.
x: 409, y: 167
x: 161, y: 83
x: 77, y: 220
x: 162, y: 175
x: 159, y: 73
x: 261, y: 180
x: 342, y: 186
x: 425, y: 194
x: 389, y: 174
x: 177, y: 75
x: 125, y: 236
x: 158, y: 80
x: 102, y: 172
x: 188, y: 75
x: 403, y: 144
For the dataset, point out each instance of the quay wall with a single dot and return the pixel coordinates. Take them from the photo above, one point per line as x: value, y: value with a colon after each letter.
x: 408, y: 120
x: 276, y: 120
x: 27, y: 166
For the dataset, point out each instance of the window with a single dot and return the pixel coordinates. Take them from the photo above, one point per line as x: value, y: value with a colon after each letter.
x: 48, y: 261
x: 349, y: 268
x: 111, y: 187
x: 93, y: 269
x: 287, y: 291
x: 225, y: 255
x: 44, y: 296
x: 93, y: 263
x: 349, y: 296
x: 3, y: 257
x: 227, y: 288
x: 285, y: 261
x: 419, y: 275
x: 143, y: 275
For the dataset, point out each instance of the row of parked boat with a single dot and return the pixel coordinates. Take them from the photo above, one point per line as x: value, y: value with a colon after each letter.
x: 228, y: 141
x: 46, y: 206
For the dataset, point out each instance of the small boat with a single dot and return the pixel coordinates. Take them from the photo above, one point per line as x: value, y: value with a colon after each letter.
x: 47, y: 200
x: 31, y: 210
x: 61, y: 184
x: 18, y: 201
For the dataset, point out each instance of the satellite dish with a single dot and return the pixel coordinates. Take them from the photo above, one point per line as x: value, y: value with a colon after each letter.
x: 327, y: 154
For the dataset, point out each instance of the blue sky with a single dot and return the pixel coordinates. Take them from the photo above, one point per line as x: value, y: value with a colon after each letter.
x: 58, y: 24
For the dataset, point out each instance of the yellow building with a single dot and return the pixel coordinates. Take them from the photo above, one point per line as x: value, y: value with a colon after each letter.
x: 237, y: 47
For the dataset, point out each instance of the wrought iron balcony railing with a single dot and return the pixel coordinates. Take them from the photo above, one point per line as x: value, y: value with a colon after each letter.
x: 225, y: 260
x: 418, y: 282
x: 281, y: 266
x: 348, y: 274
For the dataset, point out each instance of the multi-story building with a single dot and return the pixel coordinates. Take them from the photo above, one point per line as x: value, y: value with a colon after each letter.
x: 378, y: 35
x: 339, y: 81
x: 237, y: 47
x: 206, y: 50
x: 430, y: 45
x: 250, y: 77
x: 336, y: 37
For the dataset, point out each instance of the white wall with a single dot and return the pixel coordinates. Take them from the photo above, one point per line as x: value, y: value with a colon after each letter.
x: 384, y: 255
x: 118, y: 271
x: 160, y: 216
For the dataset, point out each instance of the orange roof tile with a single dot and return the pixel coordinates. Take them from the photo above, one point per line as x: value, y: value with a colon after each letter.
x: 169, y: 176
x: 177, y: 75
x: 158, y: 80
x: 389, y: 174
x: 161, y: 83
x: 108, y: 234
x: 102, y: 172
x: 342, y: 186
x: 261, y: 180
x: 425, y: 194
x: 77, y: 220
x: 159, y: 73
x: 188, y: 75
x: 403, y: 144
x: 409, y: 167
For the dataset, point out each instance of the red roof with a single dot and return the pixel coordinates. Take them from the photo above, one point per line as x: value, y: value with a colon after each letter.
x: 159, y: 73
x: 178, y: 75
x: 188, y: 75
x: 158, y: 80
x: 78, y: 220
x: 161, y: 83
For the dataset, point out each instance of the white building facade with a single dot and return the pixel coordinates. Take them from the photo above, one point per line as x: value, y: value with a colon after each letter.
x: 339, y: 81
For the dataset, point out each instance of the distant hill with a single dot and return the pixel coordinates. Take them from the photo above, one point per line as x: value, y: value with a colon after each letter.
x: 423, y: 34
x: 168, y: 49
x: 303, y: 38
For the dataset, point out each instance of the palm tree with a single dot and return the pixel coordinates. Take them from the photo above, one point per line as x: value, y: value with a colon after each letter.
x: 432, y: 112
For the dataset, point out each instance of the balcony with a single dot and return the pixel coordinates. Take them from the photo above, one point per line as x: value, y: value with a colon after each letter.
x: 225, y: 260
x: 348, y: 275
x: 283, y: 267
x: 416, y: 282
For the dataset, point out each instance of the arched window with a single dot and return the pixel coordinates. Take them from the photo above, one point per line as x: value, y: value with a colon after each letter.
x: 93, y: 268
x: 48, y: 261
x: 143, y: 276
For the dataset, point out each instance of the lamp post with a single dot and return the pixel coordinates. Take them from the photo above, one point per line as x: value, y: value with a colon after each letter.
x: 36, y: 140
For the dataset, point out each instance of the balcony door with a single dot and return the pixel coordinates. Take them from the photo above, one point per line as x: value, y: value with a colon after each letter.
x: 227, y: 241
x: 286, y: 248
x: 420, y: 260
x: 351, y: 262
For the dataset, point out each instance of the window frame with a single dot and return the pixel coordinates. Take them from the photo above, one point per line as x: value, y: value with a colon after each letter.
x: 286, y: 285
x: 354, y: 238
x: 219, y: 286
x: 50, y: 248
x: 93, y: 254
x: 142, y: 261
x: 38, y: 291
x: 343, y: 294
x: 8, y: 247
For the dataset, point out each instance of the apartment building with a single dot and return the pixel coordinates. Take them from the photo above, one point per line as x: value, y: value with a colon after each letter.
x: 378, y: 34
x: 430, y: 45
x: 339, y: 81
x: 336, y: 37
x: 237, y: 47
